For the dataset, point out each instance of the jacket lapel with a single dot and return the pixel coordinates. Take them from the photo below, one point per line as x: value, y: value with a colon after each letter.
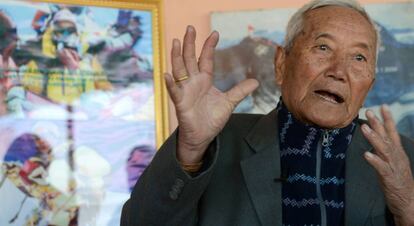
x: 361, y: 182
x: 262, y: 168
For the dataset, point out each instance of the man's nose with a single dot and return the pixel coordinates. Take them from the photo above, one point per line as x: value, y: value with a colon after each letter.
x: 337, y: 68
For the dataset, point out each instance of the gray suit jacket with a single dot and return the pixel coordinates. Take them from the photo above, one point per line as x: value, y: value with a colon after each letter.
x: 237, y: 184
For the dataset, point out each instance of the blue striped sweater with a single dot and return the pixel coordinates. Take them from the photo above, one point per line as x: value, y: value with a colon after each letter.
x: 313, y: 163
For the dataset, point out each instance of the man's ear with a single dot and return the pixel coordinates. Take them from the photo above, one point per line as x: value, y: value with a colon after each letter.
x: 280, y: 57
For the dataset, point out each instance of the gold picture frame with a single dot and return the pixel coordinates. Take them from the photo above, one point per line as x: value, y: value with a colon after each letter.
x: 83, y: 107
x: 156, y: 9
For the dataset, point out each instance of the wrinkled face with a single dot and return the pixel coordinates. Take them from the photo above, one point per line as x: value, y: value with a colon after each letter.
x: 328, y: 72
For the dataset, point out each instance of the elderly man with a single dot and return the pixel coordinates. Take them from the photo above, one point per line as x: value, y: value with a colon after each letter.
x: 311, y: 161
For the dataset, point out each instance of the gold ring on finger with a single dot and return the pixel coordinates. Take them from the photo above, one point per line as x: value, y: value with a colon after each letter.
x: 182, y: 78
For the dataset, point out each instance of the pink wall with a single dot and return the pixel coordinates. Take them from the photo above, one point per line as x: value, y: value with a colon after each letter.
x: 179, y: 13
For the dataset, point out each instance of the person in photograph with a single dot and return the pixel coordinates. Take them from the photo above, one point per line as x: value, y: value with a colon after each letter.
x: 64, y: 71
x: 26, y: 165
x: 9, y: 72
x: 8, y: 37
x: 139, y: 158
x: 123, y: 63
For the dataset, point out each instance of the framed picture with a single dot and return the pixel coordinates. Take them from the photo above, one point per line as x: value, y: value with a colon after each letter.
x: 249, y: 40
x: 83, y: 107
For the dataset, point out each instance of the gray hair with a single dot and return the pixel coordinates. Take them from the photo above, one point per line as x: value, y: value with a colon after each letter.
x: 296, y: 22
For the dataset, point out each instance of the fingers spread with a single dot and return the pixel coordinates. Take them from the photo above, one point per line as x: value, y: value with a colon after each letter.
x: 206, y: 61
x: 189, y: 50
x: 173, y: 90
x: 241, y: 90
x: 390, y: 125
x: 178, y: 66
x: 375, y: 161
x: 375, y: 123
x: 382, y: 148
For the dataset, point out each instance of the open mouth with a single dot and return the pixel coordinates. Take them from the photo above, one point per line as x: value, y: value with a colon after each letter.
x: 330, y: 96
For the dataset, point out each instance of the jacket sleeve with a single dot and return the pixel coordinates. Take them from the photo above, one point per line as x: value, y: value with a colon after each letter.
x: 165, y: 194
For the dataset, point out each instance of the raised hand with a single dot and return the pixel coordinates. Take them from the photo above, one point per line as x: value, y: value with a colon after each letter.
x: 392, y: 165
x: 202, y: 110
x: 69, y: 58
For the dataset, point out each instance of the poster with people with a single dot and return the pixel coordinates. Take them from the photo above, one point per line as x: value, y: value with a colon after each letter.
x: 249, y: 40
x: 78, y: 100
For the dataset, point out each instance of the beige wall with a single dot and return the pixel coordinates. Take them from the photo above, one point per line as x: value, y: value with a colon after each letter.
x: 180, y: 13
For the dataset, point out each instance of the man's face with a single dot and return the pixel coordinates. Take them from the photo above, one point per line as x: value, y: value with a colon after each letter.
x: 327, y: 73
x: 42, y: 145
x: 136, y: 165
x: 64, y: 28
x: 65, y: 32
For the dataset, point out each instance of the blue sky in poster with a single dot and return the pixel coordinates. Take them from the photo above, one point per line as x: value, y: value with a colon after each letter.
x: 22, y: 13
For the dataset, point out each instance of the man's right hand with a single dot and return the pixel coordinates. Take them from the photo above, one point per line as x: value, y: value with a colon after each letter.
x: 69, y: 58
x: 202, y: 110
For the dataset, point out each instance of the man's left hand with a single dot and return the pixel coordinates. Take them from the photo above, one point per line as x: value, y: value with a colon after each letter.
x: 392, y: 165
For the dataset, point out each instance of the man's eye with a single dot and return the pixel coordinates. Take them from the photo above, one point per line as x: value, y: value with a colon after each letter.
x: 323, y: 47
x: 360, y: 57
